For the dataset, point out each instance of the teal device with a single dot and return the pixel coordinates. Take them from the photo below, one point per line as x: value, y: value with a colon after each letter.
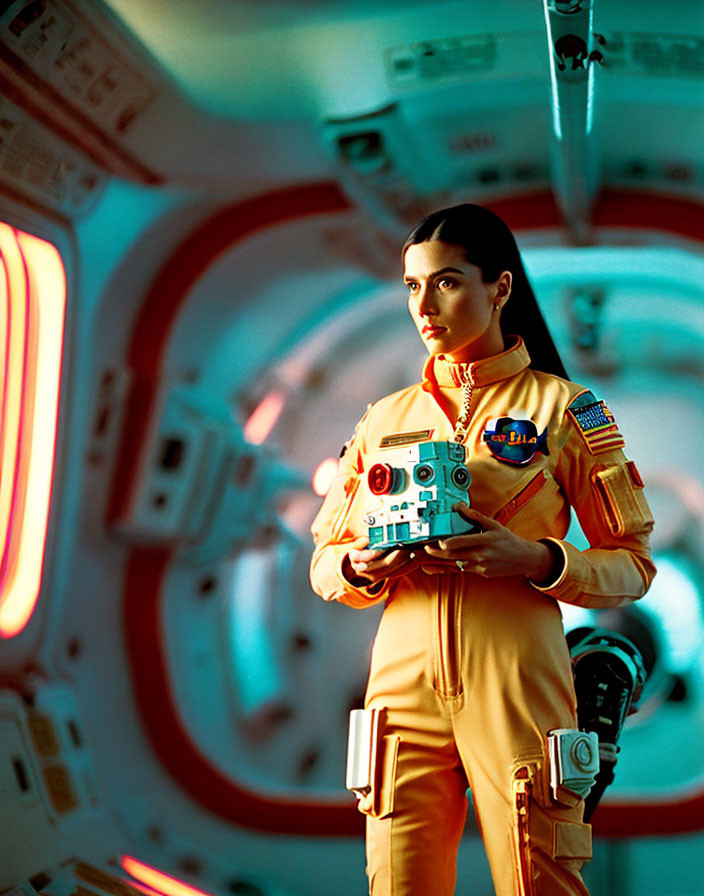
x: 411, y: 491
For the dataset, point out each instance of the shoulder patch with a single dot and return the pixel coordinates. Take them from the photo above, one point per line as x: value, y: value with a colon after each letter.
x: 582, y: 400
x: 596, y: 423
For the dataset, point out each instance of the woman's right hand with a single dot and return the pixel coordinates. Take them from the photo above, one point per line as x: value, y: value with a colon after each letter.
x: 373, y: 566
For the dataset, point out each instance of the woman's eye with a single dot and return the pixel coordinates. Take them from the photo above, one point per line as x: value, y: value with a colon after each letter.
x: 412, y: 287
x: 446, y: 283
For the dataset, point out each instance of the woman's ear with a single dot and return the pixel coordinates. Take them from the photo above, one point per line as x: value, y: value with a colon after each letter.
x: 503, y: 288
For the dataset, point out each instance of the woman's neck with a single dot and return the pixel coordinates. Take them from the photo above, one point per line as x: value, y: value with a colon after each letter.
x: 490, y: 343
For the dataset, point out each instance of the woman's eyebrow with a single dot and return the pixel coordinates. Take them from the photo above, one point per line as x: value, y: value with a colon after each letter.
x: 437, y: 273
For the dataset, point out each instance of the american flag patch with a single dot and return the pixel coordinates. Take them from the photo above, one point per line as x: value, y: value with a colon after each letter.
x: 598, y: 427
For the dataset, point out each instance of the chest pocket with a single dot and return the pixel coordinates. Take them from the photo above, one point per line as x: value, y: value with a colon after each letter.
x: 623, y: 503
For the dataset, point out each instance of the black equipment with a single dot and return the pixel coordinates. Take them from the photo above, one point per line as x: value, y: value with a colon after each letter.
x: 609, y: 674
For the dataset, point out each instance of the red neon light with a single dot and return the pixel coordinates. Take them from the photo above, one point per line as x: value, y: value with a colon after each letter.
x: 157, y: 880
x: 32, y: 309
x: 263, y: 419
x: 324, y: 474
x: 15, y: 343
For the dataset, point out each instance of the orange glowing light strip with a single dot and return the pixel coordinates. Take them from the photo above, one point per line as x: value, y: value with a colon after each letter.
x: 33, y: 328
x: 157, y: 880
x: 263, y: 418
x: 4, y: 346
x: 15, y: 341
x: 4, y: 401
x: 324, y: 474
x: 143, y: 888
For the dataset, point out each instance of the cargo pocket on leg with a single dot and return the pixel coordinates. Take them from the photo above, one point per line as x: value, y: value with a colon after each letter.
x: 383, y: 792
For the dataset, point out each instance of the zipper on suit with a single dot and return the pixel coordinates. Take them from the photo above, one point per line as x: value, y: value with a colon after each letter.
x: 522, y: 787
x: 448, y: 597
x: 447, y: 624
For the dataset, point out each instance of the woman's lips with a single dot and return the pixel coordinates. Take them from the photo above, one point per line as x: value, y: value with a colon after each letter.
x: 430, y: 330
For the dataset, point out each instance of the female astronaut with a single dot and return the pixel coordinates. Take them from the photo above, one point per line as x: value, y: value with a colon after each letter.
x: 470, y: 672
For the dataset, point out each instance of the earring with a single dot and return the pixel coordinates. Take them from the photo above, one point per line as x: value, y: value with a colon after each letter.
x: 497, y: 305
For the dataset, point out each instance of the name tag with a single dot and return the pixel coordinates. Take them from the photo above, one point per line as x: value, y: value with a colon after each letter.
x: 405, y: 438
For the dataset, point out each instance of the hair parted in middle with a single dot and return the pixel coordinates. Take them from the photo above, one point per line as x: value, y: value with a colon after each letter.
x: 488, y: 243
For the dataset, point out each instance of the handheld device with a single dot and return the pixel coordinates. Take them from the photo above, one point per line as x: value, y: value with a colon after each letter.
x: 411, y: 491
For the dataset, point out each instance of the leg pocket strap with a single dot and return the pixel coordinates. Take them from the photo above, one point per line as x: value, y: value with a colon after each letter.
x: 572, y: 840
x: 379, y: 802
x: 560, y: 839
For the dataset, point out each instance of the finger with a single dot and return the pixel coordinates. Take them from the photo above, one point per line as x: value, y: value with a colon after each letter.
x: 436, y: 550
x: 472, y: 564
x: 470, y: 514
x: 398, y: 559
x: 456, y: 563
x: 396, y: 563
x: 388, y: 558
x: 367, y: 555
x: 407, y: 564
x: 376, y: 560
x: 448, y: 546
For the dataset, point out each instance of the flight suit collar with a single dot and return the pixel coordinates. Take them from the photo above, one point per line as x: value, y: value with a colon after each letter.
x: 441, y: 371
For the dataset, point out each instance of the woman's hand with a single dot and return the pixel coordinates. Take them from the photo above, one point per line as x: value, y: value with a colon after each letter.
x: 366, y: 563
x: 494, y: 552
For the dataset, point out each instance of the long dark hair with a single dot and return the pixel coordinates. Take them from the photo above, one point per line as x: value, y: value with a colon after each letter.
x: 488, y: 243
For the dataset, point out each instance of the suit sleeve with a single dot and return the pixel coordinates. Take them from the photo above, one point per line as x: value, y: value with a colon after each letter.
x: 337, y: 528
x: 606, y: 492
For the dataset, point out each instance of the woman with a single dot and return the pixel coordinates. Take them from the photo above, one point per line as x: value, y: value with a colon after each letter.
x: 470, y: 671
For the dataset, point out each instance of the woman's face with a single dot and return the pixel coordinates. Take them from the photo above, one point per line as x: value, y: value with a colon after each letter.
x: 451, y: 306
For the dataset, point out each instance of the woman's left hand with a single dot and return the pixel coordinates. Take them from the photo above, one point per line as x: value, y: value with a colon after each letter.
x: 494, y: 552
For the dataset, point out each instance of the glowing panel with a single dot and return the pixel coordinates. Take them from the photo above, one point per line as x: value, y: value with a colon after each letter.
x: 324, y: 474
x: 263, y: 418
x: 157, y: 880
x: 32, y: 311
x: 675, y: 600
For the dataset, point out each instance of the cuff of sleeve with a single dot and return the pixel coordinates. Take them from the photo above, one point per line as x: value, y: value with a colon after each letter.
x: 372, y: 592
x: 560, y: 563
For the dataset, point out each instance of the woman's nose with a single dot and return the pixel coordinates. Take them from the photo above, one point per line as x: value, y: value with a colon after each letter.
x: 426, y: 302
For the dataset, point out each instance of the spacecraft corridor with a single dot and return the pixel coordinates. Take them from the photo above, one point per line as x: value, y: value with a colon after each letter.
x: 202, y: 208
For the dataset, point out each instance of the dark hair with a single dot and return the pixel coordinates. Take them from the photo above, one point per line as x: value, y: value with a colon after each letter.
x: 488, y: 243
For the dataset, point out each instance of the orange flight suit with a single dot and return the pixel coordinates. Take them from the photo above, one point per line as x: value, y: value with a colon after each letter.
x: 472, y: 672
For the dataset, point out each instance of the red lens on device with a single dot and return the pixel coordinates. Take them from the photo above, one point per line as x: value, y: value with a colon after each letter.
x: 380, y: 478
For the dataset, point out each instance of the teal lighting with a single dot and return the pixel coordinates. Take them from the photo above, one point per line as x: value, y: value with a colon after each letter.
x: 675, y: 599
x: 673, y: 603
x: 256, y: 670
